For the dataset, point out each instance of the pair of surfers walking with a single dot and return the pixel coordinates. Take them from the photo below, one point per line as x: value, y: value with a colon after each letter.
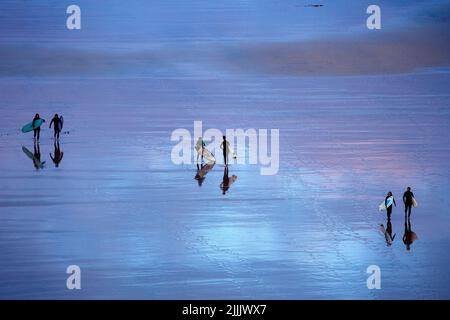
x: 408, y: 201
x: 57, y: 122
x: 205, y: 154
x: 35, y: 126
x: 389, y: 202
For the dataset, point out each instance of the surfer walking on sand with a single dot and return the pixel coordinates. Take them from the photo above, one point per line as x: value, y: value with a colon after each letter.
x: 57, y: 125
x: 408, y: 198
x: 389, y: 208
x: 37, y: 131
x: 200, y: 147
x: 225, y: 145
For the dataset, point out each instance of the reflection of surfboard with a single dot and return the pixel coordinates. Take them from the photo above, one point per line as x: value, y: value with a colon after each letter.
x: 389, y: 203
x: 414, y: 203
x: 30, y: 155
x: 61, y: 123
x: 29, y: 126
x: 204, y: 170
x: 387, y: 236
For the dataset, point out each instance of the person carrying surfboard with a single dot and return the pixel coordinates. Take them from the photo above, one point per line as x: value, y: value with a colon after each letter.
x: 200, y: 147
x: 408, y: 198
x: 388, y: 203
x: 57, y: 125
x: 36, y: 130
x: 225, y: 146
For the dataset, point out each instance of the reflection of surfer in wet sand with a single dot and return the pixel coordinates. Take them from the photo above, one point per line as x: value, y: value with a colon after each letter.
x: 202, y: 170
x: 35, y: 157
x: 388, y: 231
x: 58, y: 155
x: 227, y: 181
x: 410, y: 236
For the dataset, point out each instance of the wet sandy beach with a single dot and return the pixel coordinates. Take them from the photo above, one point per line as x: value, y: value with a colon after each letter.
x: 141, y: 227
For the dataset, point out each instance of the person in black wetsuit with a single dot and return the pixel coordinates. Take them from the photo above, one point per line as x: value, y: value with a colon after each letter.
x: 36, y: 131
x: 224, y: 147
x: 56, y: 126
x: 389, y: 209
x: 408, y: 201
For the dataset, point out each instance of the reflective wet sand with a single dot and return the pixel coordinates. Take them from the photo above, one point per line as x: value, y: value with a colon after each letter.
x: 141, y: 227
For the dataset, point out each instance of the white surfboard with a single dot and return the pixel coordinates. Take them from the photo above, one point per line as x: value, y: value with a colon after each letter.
x: 61, y: 123
x: 387, y: 236
x: 207, y: 155
x: 383, y: 205
x: 414, y: 203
